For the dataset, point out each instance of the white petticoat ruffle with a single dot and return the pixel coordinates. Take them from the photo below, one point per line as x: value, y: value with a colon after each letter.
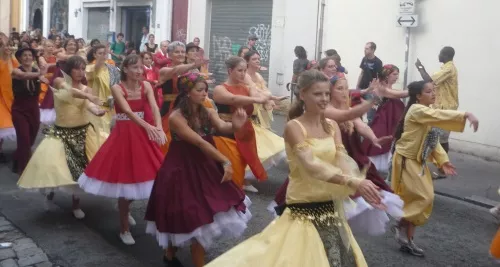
x: 47, y: 116
x: 382, y: 162
x: 230, y: 224
x: 137, y: 191
x: 365, y: 219
x: 73, y: 189
x: 8, y: 134
x: 267, y: 164
x: 271, y: 209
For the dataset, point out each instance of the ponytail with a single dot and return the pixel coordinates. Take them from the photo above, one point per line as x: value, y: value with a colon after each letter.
x: 414, y: 89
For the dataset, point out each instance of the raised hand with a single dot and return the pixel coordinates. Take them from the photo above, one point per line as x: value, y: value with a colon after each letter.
x: 239, y: 118
x: 449, y: 169
x: 474, y: 122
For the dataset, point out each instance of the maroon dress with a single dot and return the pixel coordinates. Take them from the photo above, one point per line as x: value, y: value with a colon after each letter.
x: 188, y: 201
x: 384, y: 123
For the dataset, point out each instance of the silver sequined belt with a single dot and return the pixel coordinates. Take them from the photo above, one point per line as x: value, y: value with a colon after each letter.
x: 124, y: 117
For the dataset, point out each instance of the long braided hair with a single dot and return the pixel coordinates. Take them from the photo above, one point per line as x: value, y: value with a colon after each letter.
x: 414, y: 89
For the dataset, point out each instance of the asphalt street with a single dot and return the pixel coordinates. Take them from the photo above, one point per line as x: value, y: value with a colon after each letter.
x: 458, y: 233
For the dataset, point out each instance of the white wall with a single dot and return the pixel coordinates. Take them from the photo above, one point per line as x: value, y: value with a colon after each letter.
x: 294, y: 23
x: 5, y: 16
x: 75, y: 24
x: 469, y: 28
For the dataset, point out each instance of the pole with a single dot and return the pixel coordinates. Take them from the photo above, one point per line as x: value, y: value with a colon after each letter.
x: 407, y: 55
x: 319, y: 46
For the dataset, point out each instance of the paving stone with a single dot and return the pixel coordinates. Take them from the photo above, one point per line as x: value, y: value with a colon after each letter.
x: 31, y: 260
x: 4, y: 222
x: 7, y: 228
x: 6, y: 253
x: 11, y: 236
x: 28, y: 252
x: 8, y: 263
x: 24, y: 243
x: 44, y: 264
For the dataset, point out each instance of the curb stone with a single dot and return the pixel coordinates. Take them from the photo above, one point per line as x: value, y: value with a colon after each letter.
x: 24, y: 251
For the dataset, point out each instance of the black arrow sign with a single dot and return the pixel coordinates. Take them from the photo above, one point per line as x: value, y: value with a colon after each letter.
x: 404, y: 20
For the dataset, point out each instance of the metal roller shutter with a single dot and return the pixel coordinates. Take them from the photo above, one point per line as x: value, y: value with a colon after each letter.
x: 231, y: 23
x: 98, y: 28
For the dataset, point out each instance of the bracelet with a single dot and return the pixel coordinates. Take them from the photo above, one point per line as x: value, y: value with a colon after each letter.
x: 226, y: 163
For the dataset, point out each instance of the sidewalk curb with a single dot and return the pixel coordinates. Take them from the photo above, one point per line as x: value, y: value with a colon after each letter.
x: 466, y: 199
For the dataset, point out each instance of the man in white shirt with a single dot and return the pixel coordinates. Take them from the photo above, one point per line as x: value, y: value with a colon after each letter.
x: 144, y: 40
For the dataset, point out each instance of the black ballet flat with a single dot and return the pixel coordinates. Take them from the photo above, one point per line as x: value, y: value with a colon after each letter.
x: 172, y: 263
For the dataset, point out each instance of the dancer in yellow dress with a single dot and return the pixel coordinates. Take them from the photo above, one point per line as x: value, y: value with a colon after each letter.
x: 101, y: 76
x: 312, y: 230
x: 270, y: 147
x: 71, y: 143
x: 416, y: 142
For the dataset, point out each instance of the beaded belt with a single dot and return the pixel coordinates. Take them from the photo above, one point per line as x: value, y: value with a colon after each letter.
x: 124, y: 117
x: 318, y: 213
x: 169, y: 97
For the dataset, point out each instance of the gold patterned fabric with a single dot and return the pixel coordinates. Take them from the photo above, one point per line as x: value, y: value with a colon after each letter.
x: 301, y: 236
x: 74, y: 146
x: 60, y: 157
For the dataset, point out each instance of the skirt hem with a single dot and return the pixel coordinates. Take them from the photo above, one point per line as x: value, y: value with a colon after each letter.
x: 231, y: 223
x: 136, y: 191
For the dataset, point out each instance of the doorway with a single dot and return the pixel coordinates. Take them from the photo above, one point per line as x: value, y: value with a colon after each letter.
x: 38, y: 19
x: 135, y: 19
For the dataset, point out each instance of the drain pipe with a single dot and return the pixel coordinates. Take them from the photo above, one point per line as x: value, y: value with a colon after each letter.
x: 319, y: 32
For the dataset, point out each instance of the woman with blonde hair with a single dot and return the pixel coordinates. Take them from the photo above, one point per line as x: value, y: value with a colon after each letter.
x: 312, y: 229
x: 241, y: 147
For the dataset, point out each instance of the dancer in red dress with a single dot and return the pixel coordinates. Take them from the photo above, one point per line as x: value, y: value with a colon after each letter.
x: 194, y: 199
x: 125, y: 166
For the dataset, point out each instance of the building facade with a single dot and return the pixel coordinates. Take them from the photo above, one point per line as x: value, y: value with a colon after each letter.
x: 346, y: 26
x: 91, y: 19
x: 9, y: 15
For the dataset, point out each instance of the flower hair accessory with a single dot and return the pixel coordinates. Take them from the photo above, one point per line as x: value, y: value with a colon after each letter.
x: 388, y: 66
x: 188, y: 81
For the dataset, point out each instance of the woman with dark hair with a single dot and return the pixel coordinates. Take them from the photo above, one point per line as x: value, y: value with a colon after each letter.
x: 300, y: 64
x: 47, y: 116
x: 47, y: 111
x: 125, y: 166
x: 386, y: 117
x: 194, y: 184
x: 70, y: 143
x: 25, y: 112
x: 241, y: 147
x: 270, y: 147
x: 416, y: 143
x: 101, y: 76
x: 168, y: 82
x: 312, y: 229
x: 150, y: 46
x: 242, y: 51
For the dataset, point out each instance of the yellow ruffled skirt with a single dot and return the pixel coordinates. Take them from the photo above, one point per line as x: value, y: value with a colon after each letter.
x: 285, y: 242
x: 48, y: 168
x: 270, y: 148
